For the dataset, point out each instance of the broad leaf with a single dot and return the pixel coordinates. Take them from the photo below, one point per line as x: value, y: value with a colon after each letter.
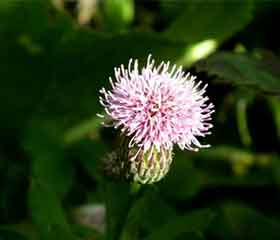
x: 43, y: 143
x: 238, y: 221
x: 183, y: 180
x: 242, y: 70
x: 11, y: 235
x: 146, y: 214
x: 47, y: 213
x: 195, y: 222
x: 204, y: 20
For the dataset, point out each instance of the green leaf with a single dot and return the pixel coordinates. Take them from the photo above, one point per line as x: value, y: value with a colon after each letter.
x: 118, y: 15
x: 190, y: 236
x: 118, y: 201
x: 203, y: 25
x: 30, y: 64
x: 47, y: 213
x: 13, y: 183
x: 23, y: 230
x: 195, y: 222
x: 204, y: 20
x: 146, y: 214
x: 247, y: 167
x: 241, y: 70
x: 274, y: 105
x: 172, y: 9
x: 11, y: 235
x: 183, y: 181
x: 28, y: 39
x: 17, y: 17
x: 86, y: 128
x: 238, y: 221
x: 275, y: 167
x: 86, y: 232
x: 90, y: 154
x: 43, y: 143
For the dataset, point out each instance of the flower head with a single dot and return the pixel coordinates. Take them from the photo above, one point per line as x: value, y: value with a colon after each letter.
x: 158, y: 106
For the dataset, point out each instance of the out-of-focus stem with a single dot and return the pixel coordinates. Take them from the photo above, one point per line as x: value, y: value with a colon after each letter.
x: 274, y: 104
x: 59, y: 4
x: 135, y: 187
x: 241, y: 113
x: 86, y: 10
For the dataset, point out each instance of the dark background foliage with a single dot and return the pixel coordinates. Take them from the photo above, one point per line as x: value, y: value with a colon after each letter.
x: 55, y: 56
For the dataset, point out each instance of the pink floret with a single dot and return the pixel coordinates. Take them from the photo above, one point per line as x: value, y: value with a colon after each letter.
x: 158, y: 106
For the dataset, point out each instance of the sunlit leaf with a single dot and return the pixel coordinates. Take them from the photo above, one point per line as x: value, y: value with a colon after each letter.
x: 241, y: 70
x: 117, y: 15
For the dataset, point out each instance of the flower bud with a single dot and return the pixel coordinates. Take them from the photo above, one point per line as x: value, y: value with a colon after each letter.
x: 112, y: 166
x: 149, y: 167
x: 133, y: 163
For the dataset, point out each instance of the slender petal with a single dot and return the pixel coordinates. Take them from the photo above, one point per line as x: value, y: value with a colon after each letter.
x: 158, y: 106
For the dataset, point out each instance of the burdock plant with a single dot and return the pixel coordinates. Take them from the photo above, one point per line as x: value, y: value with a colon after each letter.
x: 155, y: 108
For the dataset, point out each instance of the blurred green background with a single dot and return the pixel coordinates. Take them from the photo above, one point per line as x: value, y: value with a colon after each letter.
x: 55, y: 56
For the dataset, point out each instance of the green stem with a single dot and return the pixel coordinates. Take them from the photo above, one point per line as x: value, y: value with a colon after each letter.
x: 241, y: 113
x: 274, y: 104
x: 135, y: 188
x: 118, y: 203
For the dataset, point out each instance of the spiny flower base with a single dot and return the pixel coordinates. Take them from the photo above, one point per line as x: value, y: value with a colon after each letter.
x: 150, y: 167
x: 136, y: 165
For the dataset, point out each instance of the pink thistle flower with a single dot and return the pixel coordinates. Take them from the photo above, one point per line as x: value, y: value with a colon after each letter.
x: 158, y: 106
